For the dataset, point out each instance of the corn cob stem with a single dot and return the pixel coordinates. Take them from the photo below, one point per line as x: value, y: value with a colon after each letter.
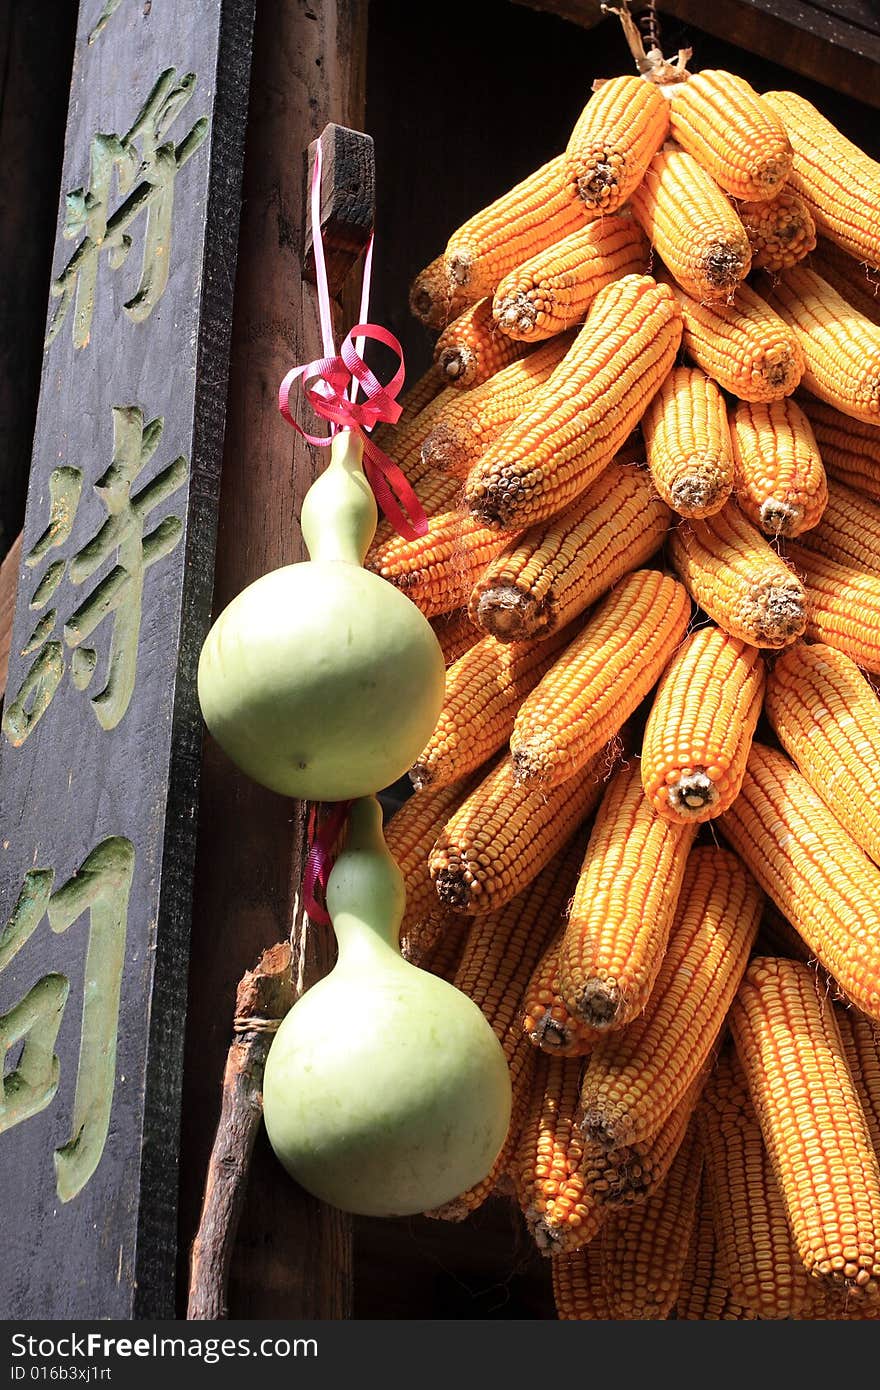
x: 547, y: 1022
x: 435, y: 299
x: 780, y: 480
x: 619, y: 1177
x: 620, y: 128
x: 471, y: 349
x: 555, y: 570
x: 700, y: 727
x: 732, y: 133
x: 687, y: 440
x: 813, y: 1125
x: 781, y: 232
x: 745, y: 346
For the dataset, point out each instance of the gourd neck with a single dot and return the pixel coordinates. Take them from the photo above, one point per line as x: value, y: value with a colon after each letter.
x: 365, y: 891
x: 339, y: 512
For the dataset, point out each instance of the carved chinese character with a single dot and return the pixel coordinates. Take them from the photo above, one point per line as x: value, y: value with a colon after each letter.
x: 146, y: 168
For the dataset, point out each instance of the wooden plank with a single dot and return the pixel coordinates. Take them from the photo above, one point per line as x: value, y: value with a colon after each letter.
x: 99, y: 775
x: 293, y: 1255
x: 348, y: 200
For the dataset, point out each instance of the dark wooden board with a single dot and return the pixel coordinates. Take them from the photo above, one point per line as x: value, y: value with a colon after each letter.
x: 101, y: 734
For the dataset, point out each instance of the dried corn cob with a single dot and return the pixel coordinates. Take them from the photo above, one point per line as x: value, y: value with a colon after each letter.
x: 687, y: 440
x: 636, y: 1077
x: 409, y: 835
x: 857, y: 283
x: 861, y: 1043
x: 642, y: 1249
x: 700, y: 727
x: 780, y: 480
x: 777, y: 937
x: 736, y: 137
x: 435, y: 299
x: 547, y: 1023
x: 618, y: 1177
x: 623, y: 906
x: 843, y: 606
x: 555, y: 570
x: 691, y: 224
x: 731, y: 571
x: 841, y: 347
x: 578, y: 1291
x: 617, y: 133
x: 504, y: 834
x: 704, y: 1295
x: 560, y: 1213
x: 540, y: 210
x: 598, y: 681
x: 585, y: 411
x: 503, y: 947
x: 849, y: 531
x: 838, y: 181
x: 460, y: 436
x: 762, y: 1266
x: 745, y: 346
x: 437, y: 570
x: 456, y: 634
x: 850, y: 448
x: 444, y: 955
x: 392, y: 438
x: 813, y: 1125
x: 827, y: 718
x: 812, y: 869
x: 484, y: 690
x: 554, y: 289
x: 471, y: 349
x: 404, y: 443
x: 781, y: 231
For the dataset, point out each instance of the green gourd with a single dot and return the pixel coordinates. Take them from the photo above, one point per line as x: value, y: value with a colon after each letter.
x: 386, y: 1092
x: 321, y: 680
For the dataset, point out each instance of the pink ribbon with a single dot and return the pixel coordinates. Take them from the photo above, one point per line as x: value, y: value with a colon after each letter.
x: 320, y: 860
x: 331, y: 382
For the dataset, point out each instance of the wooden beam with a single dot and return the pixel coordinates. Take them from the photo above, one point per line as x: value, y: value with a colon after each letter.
x: 348, y: 200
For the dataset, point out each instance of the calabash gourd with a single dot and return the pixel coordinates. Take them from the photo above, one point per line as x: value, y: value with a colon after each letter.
x: 321, y: 680
x: 386, y: 1092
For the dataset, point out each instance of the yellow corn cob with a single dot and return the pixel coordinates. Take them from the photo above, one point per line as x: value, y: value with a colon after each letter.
x: 691, y: 224
x: 547, y: 1023
x: 409, y: 835
x: 619, y: 1177
x: 731, y: 131
x: 849, y: 531
x: 857, y: 283
x: 560, y: 1213
x: 456, y: 634
x: 762, y: 1266
x: 420, y: 395
x: 731, y: 571
x: 861, y: 1043
x: 827, y: 718
x: 623, y: 906
x: 704, y: 1295
x: 484, y: 690
x: 642, y: 1249
x: 745, y: 346
x: 554, y: 289
x: 813, y: 1125
x: 700, y: 727
x: 460, y: 436
x: 636, y: 1077
x: 504, y: 834
x: 437, y: 571
x: 435, y: 299
x: 540, y: 210
x: 555, y: 570
x: 687, y: 440
x: 780, y: 232
x: 841, y: 347
x: 578, y: 1291
x: 622, y: 125
x: 812, y: 869
x: 585, y: 411
x: 780, y: 480
x: 444, y: 954
x: 471, y: 349
x: 403, y: 442
x: 598, y: 681
x: 503, y: 947
x: 843, y: 606
x: 777, y: 937
x: 850, y: 448
x: 838, y: 181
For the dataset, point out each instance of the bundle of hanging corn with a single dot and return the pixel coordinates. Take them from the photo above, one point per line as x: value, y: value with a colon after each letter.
x: 650, y: 454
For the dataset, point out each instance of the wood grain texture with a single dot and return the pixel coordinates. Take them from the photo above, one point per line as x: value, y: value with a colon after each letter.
x: 293, y: 1255
x: 348, y: 200
x: 100, y: 792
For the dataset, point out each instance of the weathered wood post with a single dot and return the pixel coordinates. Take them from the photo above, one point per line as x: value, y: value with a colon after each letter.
x: 101, y: 733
